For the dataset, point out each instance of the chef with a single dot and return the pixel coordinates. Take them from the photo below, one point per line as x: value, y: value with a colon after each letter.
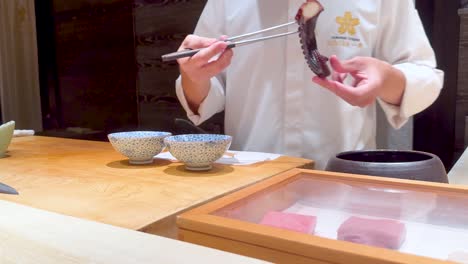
x: 379, y: 54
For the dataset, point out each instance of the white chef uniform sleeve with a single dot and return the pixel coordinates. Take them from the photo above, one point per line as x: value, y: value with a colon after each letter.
x: 403, y: 43
x: 210, y: 24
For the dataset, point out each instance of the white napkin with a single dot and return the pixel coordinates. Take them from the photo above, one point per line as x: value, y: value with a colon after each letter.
x: 246, y: 157
x: 233, y: 157
x: 23, y: 132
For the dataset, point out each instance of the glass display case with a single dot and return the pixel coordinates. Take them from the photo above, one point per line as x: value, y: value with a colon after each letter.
x: 324, y: 217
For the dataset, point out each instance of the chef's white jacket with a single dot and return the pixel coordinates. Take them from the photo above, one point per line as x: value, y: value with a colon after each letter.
x: 270, y: 102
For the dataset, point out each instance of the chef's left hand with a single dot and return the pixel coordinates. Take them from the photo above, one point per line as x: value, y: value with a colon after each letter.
x: 373, y: 79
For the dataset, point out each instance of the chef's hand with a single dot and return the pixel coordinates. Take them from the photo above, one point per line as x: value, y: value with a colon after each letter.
x: 196, y: 71
x: 373, y: 79
x: 200, y: 67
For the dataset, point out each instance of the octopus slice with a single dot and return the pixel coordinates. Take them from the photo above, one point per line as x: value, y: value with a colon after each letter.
x: 307, y: 19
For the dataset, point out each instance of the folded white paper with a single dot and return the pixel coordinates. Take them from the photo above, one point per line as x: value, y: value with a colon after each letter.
x: 233, y: 157
x: 246, y: 157
x: 23, y: 133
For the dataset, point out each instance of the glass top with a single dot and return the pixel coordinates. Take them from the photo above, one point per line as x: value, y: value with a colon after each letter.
x: 432, y: 224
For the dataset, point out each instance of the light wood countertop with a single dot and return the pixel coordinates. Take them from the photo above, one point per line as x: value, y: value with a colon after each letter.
x: 31, y: 236
x: 90, y: 180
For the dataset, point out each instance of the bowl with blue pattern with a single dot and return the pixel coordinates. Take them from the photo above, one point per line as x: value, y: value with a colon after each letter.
x: 198, y: 151
x: 139, y: 147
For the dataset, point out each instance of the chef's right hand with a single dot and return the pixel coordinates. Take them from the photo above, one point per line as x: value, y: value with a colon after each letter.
x: 200, y: 68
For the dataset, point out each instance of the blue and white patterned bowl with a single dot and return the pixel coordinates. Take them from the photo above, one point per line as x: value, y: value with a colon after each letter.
x: 198, y: 151
x: 139, y: 146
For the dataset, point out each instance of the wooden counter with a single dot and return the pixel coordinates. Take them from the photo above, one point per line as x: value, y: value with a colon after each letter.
x: 57, y: 239
x: 90, y: 180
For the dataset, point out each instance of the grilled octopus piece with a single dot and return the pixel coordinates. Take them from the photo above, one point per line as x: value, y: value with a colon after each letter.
x: 307, y: 19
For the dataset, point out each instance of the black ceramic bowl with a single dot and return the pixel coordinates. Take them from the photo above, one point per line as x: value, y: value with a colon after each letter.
x: 402, y: 164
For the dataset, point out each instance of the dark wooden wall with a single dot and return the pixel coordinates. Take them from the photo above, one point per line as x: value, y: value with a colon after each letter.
x: 462, y: 92
x: 47, y: 64
x: 96, y: 68
x: 434, y: 129
x: 101, y: 68
x: 160, y: 28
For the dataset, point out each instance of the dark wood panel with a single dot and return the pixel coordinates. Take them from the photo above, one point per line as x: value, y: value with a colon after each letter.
x: 160, y: 28
x: 101, y: 64
x: 50, y: 105
x: 464, y: 3
x: 462, y: 91
x: 96, y: 68
x: 435, y: 127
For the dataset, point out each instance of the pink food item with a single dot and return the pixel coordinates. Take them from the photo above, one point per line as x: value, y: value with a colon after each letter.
x: 294, y: 222
x: 384, y: 233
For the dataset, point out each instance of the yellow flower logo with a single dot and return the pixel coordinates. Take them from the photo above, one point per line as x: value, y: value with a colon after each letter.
x: 347, y: 24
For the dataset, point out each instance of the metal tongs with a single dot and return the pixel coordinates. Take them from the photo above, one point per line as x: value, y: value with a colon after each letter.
x: 233, y: 42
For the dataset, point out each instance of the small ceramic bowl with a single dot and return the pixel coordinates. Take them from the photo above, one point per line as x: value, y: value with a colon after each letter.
x: 139, y: 146
x: 6, y: 134
x: 198, y: 151
x: 402, y: 164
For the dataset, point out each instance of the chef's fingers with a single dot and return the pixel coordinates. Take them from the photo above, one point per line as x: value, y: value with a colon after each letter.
x: 336, y: 87
x: 215, y: 67
x: 339, y: 77
x: 196, y: 42
x: 335, y: 76
x: 206, y: 55
x: 356, y: 96
x: 346, y: 66
x: 193, y: 42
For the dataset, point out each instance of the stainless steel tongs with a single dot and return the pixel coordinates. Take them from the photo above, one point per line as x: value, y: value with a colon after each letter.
x: 233, y: 42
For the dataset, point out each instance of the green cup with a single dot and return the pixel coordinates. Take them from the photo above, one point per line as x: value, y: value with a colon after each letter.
x: 6, y: 134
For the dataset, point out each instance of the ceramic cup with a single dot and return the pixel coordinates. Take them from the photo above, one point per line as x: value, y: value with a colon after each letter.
x: 198, y: 151
x: 139, y: 146
x: 403, y: 164
x: 6, y: 134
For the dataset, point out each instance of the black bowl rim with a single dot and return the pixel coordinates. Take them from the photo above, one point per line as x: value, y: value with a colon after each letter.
x: 432, y: 156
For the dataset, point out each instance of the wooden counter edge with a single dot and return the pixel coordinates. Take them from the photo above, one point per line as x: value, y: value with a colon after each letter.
x: 29, y: 235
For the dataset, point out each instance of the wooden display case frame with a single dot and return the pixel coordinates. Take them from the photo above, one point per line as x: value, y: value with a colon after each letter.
x: 201, y: 225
